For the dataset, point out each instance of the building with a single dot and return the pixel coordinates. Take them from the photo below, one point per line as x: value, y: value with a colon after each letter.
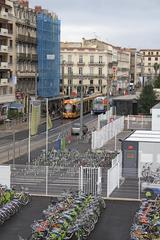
x: 136, y: 63
x: 103, y: 67
x: 7, y: 61
x: 150, y: 58
x: 48, y: 50
x: 25, y: 55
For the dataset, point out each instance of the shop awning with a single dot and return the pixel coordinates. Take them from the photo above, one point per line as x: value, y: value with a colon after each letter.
x: 15, y: 105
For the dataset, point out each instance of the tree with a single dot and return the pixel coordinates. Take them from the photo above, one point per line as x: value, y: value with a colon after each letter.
x: 157, y: 82
x: 147, y: 99
x: 156, y: 68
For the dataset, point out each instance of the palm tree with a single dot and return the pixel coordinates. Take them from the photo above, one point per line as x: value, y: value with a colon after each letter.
x: 156, y: 68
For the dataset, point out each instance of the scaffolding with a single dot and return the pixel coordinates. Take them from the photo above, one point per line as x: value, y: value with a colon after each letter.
x: 48, y: 49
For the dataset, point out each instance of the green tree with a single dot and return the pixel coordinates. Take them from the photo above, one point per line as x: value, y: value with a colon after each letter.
x: 156, y: 67
x: 157, y: 82
x: 147, y: 99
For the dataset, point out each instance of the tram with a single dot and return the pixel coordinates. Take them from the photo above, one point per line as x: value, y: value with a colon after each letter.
x: 72, y: 106
x: 100, y: 104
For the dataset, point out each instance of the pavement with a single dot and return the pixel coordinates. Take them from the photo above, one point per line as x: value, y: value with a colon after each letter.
x: 114, y: 223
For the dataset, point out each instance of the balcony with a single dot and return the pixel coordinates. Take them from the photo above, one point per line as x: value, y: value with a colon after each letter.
x: 4, y: 81
x: 34, y: 58
x: 32, y: 40
x: 21, y: 38
x: 3, y: 49
x: 21, y: 56
x: 96, y: 64
x: 69, y: 63
x: 80, y: 63
x: 4, y: 65
x: 4, y: 15
x: 4, y: 31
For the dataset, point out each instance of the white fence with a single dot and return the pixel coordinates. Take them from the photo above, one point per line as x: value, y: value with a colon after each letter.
x: 114, y: 174
x: 103, y: 135
x: 105, y: 117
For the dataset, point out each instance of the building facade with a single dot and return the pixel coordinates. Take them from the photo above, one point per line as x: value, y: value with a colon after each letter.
x: 150, y: 58
x: 102, y: 67
x: 7, y: 61
x: 26, y: 44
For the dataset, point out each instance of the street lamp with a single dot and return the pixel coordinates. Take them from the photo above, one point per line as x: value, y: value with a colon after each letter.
x: 81, y: 109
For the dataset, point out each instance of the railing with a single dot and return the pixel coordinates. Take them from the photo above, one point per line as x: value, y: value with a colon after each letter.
x: 3, y: 48
x: 114, y: 182
x: 138, y: 122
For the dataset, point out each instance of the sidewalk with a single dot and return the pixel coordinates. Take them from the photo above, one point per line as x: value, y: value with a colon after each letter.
x: 19, y: 125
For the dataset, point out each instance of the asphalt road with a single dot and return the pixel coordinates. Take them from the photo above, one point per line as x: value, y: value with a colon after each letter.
x: 38, y: 142
x: 114, y: 224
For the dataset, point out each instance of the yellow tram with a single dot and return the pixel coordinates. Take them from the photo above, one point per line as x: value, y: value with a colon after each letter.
x: 72, y: 106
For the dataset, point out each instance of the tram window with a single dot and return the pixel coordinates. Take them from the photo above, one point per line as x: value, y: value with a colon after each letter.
x: 74, y: 108
x: 68, y: 108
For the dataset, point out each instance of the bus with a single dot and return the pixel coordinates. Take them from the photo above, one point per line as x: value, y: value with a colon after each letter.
x: 71, y: 107
x: 100, y: 104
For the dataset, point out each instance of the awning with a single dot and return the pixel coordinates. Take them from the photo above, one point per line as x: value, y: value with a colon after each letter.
x: 15, y: 105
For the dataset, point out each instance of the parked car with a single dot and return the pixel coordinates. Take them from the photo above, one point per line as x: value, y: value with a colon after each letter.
x: 75, y: 129
x: 150, y: 190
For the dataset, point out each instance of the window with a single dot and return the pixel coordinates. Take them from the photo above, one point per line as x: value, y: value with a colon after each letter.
x: 69, y: 58
x: 80, y: 58
x: 152, y: 53
x: 100, y: 81
x: 149, y: 59
x: 157, y: 53
x: 10, y: 43
x: 100, y: 71
x: 6, y: 9
x: 149, y: 53
x: 91, y: 59
x: 100, y: 59
x: 69, y: 70
x: 143, y: 53
x: 91, y: 82
x: 80, y: 71
x: 10, y: 59
x: 91, y: 70
x: 156, y: 58
x: 149, y: 64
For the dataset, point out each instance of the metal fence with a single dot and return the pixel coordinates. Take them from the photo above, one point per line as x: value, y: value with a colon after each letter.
x: 138, y: 122
x: 110, y: 183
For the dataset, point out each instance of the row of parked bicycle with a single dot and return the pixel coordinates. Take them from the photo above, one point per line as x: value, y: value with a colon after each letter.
x: 146, y: 224
x: 73, y: 158
x: 151, y: 173
x: 73, y: 217
x: 11, y: 202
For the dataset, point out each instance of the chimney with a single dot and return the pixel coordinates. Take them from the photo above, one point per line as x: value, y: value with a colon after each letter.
x: 38, y: 9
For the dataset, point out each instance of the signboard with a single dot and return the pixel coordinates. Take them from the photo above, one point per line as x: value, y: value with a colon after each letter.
x: 5, y: 175
x: 50, y: 56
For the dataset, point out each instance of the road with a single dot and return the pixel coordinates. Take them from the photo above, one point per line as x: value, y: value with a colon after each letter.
x: 8, y: 149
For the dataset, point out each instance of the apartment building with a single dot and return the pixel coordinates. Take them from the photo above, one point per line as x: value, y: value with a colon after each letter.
x: 103, y: 67
x: 7, y: 61
x: 150, y: 57
x: 136, y: 66
x: 26, y: 45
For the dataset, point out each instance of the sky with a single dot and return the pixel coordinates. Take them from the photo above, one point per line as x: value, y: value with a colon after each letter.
x: 124, y: 23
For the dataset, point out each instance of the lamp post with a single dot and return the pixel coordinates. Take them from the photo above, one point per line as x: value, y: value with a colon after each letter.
x: 81, y: 109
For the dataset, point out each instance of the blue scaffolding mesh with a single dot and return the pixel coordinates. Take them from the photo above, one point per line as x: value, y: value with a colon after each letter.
x: 48, y: 49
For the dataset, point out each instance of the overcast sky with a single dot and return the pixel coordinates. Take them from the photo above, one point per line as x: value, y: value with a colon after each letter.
x: 125, y: 23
